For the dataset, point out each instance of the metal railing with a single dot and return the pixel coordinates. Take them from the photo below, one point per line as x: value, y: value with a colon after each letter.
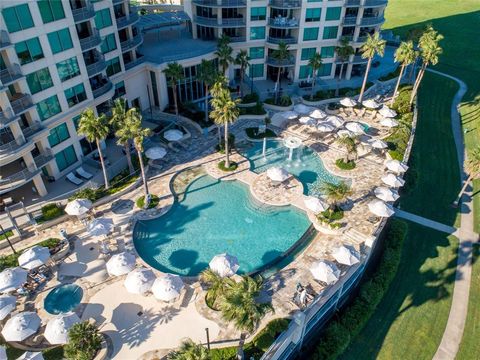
x: 286, y: 40
x: 286, y: 4
x: 215, y: 22
x: 349, y: 20
x: 20, y: 178
x: 373, y: 20
x: 97, y: 66
x: 284, y: 22
x: 238, y: 38
x: 11, y: 74
x: 4, y: 39
x: 43, y: 158
x: 127, y: 20
x: 22, y: 104
x: 33, y: 129
x: 285, y: 62
x: 83, y: 13
x: 103, y: 89
x: 90, y: 41
x: 7, y: 116
x: 131, y: 43
x: 11, y: 146
x: 221, y: 3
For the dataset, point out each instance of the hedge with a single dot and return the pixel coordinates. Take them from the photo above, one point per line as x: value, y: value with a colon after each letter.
x: 253, y: 110
x: 250, y: 98
x: 50, y: 212
x: 338, y: 334
x: 4, y: 234
x: 154, y: 200
x: 341, y: 164
x: 253, y: 133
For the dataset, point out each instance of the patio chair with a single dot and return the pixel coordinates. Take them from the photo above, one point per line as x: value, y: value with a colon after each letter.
x: 84, y: 174
x: 73, y: 179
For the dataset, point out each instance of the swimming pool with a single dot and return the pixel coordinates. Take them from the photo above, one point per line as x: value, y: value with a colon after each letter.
x: 214, y: 217
x: 63, y: 298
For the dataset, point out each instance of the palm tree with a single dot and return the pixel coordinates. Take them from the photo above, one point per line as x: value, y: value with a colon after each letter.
x: 350, y: 145
x: 373, y: 46
x: 281, y: 55
x: 335, y: 193
x: 189, y: 350
x: 405, y: 55
x: 216, y: 285
x: 315, y: 63
x: 430, y: 50
x: 174, y: 73
x: 242, y: 59
x: 207, y: 74
x: 84, y: 340
x: 224, y: 53
x: 122, y: 131
x: 472, y: 167
x: 344, y: 50
x: 224, y: 111
x: 95, y: 129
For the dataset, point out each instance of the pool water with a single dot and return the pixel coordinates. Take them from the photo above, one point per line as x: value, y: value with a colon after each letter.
x: 305, y: 164
x: 63, y: 298
x: 214, y: 217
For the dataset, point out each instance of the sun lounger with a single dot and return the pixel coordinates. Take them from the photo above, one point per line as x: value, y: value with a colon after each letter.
x: 84, y: 174
x: 73, y: 179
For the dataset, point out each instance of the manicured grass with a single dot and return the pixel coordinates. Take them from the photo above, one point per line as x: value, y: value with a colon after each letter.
x: 410, y: 320
x: 233, y: 166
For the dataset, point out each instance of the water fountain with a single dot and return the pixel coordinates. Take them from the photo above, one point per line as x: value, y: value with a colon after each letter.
x: 292, y: 142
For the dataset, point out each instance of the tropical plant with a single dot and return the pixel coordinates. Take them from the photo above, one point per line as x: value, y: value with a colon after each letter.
x: 281, y: 55
x: 95, y: 129
x: 216, y: 285
x: 343, y: 51
x: 472, y: 167
x: 224, y: 111
x: 335, y: 193
x: 122, y: 131
x: 207, y: 74
x: 84, y: 340
x: 430, y: 50
x: 405, y: 55
x: 373, y: 46
x: 174, y: 73
x: 350, y: 145
x: 224, y: 53
x: 315, y: 63
x: 189, y: 350
x: 242, y: 59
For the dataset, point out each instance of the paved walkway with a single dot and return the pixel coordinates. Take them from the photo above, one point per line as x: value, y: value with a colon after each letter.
x: 424, y: 221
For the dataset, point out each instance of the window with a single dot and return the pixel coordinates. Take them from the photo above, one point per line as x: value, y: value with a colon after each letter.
x: 65, y: 158
x: 325, y: 70
x: 333, y: 13
x: 258, y: 13
x: 68, y: 69
x: 328, y: 52
x: 257, y: 32
x: 305, y: 72
x: 330, y: 32
x: 103, y: 18
x: 257, y: 52
x: 60, y: 40
x: 313, y: 15
x: 108, y: 43
x: 307, y: 53
x: 76, y: 121
x: 29, y: 51
x: 39, y: 80
x: 314, y: 1
x: 256, y: 70
x: 50, y: 10
x: 58, y: 134
x: 17, y: 18
x: 113, y: 66
x: 310, y: 34
x: 120, y: 89
x: 75, y: 95
x: 48, y: 107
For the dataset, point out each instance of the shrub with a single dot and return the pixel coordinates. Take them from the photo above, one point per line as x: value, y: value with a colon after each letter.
x: 253, y: 133
x: 233, y: 166
x: 84, y: 341
x: 250, y: 98
x: 321, y: 95
x: 402, y: 101
x: 86, y: 193
x: 284, y: 100
x: 154, y: 200
x: 330, y: 216
x: 50, y: 212
x: 253, y: 110
x: 341, y: 164
x: 4, y: 234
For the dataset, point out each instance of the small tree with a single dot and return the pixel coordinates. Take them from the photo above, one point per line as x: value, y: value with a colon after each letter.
x: 84, y: 340
x: 122, y: 131
x: 216, y: 285
x: 335, y: 193
x: 315, y: 63
x: 242, y: 59
x: 343, y: 51
x: 405, y: 55
x: 373, y: 46
x: 174, y: 73
x: 189, y: 350
x: 281, y: 55
x: 350, y: 145
x: 472, y: 167
x: 224, y: 53
x: 207, y: 74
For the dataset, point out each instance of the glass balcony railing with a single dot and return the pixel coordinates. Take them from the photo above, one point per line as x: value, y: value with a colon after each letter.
x: 21, y: 103
x: 131, y: 43
x: 127, y: 20
x: 83, y: 13
x: 286, y: 4
x: 280, y: 63
x: 4, y: 39
x: 6, y: 117
x: 284, y: 23
x: 278, y: 40
x: 221, y: 3
x: 90, y: 41
x: 97, y: 66
x: 372, y: 20
x: 11, y: 74
x: 102, y: 89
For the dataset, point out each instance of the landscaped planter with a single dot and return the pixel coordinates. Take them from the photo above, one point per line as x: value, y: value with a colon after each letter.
x: 252, y: 104
x: 277, y: 107
x: 252, y: 117
x: 103, y: 352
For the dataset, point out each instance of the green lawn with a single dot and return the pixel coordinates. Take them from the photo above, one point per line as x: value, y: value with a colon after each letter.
x: 410, y: 320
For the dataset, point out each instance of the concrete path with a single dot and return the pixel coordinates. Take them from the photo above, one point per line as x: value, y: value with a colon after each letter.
x: 424, y: 221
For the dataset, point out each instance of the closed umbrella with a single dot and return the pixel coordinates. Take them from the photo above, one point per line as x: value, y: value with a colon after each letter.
x: 325, y: 127
x: 100, y: 226
x: 289, y: 115
x: 306, y: 120
x: 378, y: 144
x: 396, y: 166
x: 385, y: 111
x: 302, y: 109
x: 139, y: 281
x: 8, y: 303
x: 121, y: 264
x: 371, y: 104
x: 173, y: 135
x: 315, y: 204
x: 224, y: 265
x: 28, y: 355
x: 78, y: 207
x: 34, y: 257
x: 387, y: 122
x: 277, y: 174
x: 156, y: 153
x: 318, y: 114
x: 346, y: 255
x: 393, y: 180
x: 56, y: 331
x: 355, y: 127
x: 167, y: 287
x: 12, y: 278
x: 348, y: 102
x: 336, y: 121
x: 21, y: 326
x: 386, y: 194
x: 325, y: 271
x: 380, y: 208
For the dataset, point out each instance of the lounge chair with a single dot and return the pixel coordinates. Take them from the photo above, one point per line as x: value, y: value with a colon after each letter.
x: 73, y: 179
x: 84, y: 174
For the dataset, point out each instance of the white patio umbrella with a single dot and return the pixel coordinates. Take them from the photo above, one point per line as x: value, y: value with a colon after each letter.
x: 289, y: 115
x: 277, y: 174
x: 318, y: 114
x: 3, y: 352
x: 56, y: 331
x: 355, y: 127
x: 121, y: 264
x: 393, y: 180
x: 371, y: 104
x: 100, y: 226
x: 387, y: 122
x: 173, y: 135
x: 386, y: 194
x: 387, y: 112
x: 380, y: 208
x: 346, y: 255
x: 336, y: 121
x: 325, y: 271
x: 78, y: 207
x: 156, y: 153
x: 315, y: 204
x: 139, y: 281
x: 8, y: 303
x: 224, y: 265
x: 12, y: 278
x: 325, y: 127
x: 167, y: 287
x: 28, y: 355
x: 34, y: 257
x: 302, y: 109
x: 21, y: 326
x: 396, y: 166
x: 378, y: 144
x: 306, y: 120
x: 345, y: 132
x: 348, y: 102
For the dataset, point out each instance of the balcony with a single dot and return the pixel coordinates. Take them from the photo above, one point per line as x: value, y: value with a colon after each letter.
x: 287, y: 40
x: 97, y: 66
x: 215, y: 22
x: 375, y: 3
x: 102, y: 88
x: 11, y: 74
x: 372, y: 20
x: 4, y: 40
x: 283, y: 23
x: 134, y: 63
x: 361, y: 39
x: 286, y: 4
x: 347, y: 37
x: 127, y: 20
x: 117, y: 1
x: 349, y: 20
x: 352, y: 3
x: 357, y: 59
x: 281, y: 63
x: 33, y: 130
x: 43, y: 159
x: 84, y: 13
x: 6, y: 117
x: 236, y: 39
x: 17, y: 179
x: 90, y: 41
x: 21, y: 103
x: 131, y: 43
x: 221, y: 3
